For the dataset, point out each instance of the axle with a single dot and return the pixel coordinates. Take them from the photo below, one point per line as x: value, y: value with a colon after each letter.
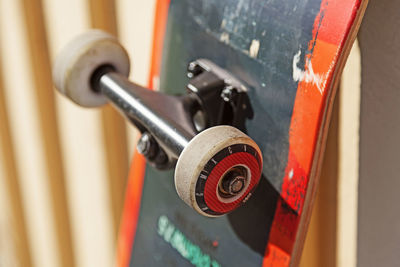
x: 146, y: 109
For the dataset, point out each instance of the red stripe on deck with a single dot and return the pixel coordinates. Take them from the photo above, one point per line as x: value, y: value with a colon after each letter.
x: 331, y: 29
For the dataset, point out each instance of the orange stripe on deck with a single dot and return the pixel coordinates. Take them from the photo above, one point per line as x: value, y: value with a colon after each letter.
x: 276, y: 257
x: 131, y: 210
x: 309, y: 102
x: 331, y: 29
x: 338, y: 13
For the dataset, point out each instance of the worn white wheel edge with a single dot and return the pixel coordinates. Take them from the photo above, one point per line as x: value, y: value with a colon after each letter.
x: 78, y: 60
x: 198, y: 152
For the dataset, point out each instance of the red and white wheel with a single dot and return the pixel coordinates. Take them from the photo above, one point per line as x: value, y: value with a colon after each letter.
x: 218, y: 170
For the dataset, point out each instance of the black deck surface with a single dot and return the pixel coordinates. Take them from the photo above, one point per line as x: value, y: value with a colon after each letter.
x: 256, y: 40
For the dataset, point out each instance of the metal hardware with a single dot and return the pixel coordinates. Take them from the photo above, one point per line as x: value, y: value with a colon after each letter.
x: 168, y: 123
x: 222, y: 97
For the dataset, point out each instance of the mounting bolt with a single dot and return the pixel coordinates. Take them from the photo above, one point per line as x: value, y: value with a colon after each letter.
x: 193, y: 70
x: 145, y: 145
x: 228, y: 93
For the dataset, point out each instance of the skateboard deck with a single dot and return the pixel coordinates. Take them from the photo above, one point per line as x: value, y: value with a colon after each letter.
x: 290, y: 53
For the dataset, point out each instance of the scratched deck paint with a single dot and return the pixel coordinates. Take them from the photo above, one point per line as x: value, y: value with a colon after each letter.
x: 286, y: 52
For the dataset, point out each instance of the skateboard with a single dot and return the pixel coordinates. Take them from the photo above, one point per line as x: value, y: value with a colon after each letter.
x: 233, y: 132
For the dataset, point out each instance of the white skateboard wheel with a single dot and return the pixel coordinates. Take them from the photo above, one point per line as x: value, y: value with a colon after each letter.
x: 75, y: 65
x: 218, y: 170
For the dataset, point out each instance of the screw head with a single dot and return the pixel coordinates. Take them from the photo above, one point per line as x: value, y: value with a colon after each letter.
x: 228, y: 93
x: 193, y: 69
x: 236, y: 185
x: 233, y: 182
x: 144, y: 144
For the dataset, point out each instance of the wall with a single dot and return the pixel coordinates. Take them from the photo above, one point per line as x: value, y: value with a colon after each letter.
x: 378, y: 214
x: 62, y: 181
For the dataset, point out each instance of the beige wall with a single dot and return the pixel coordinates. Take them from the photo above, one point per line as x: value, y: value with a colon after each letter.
x: 379, y: 217
x: 80, y: 131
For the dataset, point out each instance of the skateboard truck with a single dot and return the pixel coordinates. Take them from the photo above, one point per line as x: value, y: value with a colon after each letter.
x: 217, y: 167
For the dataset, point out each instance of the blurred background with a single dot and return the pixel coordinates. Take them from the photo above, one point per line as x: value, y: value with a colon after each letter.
x: 63, y: 168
